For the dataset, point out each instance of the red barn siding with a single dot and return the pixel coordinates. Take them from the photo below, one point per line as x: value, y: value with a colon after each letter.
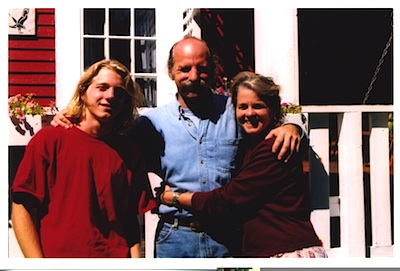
x: 32, y: 59
x: 44, y: 90
x: 27, y: 54
x: 33, y: 44
x: 39, y: 78
x: 32, y: 66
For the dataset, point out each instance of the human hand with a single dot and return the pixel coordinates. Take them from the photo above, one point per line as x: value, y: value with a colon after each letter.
x: 161, y: 193
x: 61, y: 119
x: 135, y: 251
x: 287, y: 141
x: 167, y: 195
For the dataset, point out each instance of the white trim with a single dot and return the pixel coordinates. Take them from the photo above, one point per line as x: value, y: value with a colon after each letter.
x: 276, y: 49
x: 68, y: 53
x: 345, y: 108
x: 380, y: 185
x: 168, y: 31
x: 351, y: 189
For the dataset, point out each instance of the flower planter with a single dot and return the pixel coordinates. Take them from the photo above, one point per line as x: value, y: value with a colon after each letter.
x: 21, y: 131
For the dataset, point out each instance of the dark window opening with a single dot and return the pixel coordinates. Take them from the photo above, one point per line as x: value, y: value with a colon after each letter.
x: 339, y: 51
x: 230, y: 34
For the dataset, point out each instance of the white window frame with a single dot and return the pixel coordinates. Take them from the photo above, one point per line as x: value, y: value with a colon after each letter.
x: 69, y: 51
x: 106, y: 37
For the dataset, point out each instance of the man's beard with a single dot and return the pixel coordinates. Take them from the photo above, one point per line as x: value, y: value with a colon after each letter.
x: 195, y: 89
x: 197, y: 96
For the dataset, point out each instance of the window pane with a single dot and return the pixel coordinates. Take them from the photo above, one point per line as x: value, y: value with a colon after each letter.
x: 93, y: 51
x: 145, y: 22
x: 120, y: 22
x: 93, y: 21
x: 149, y: 87
x: 120, y: 50
x: 145, y: 56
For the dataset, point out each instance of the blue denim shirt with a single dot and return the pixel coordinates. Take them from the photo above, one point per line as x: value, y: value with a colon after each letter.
x: 194, y: 154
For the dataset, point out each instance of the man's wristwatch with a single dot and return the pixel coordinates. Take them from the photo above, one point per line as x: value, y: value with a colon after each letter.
x: 175, y: 200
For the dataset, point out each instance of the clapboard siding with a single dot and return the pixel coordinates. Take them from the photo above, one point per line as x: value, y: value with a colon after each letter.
x: 43, y: 43
x: 31, y: 54
x: 44, y: 31
x: 32, y: 59
x: 28, y: 78
x: 44, y: 90
x: 46, y: 19
x: 31, y: 66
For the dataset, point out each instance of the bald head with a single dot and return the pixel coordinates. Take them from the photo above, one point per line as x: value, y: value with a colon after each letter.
x: 192, y: 45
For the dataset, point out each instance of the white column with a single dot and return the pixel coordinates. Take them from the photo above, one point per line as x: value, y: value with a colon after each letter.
x: 276, y: 49
x: 68, y: 52
x: 351, y: 188
x: 169, y: 30
x: 380, y: 186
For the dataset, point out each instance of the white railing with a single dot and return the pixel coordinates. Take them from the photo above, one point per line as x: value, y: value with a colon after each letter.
x: 349, y: 204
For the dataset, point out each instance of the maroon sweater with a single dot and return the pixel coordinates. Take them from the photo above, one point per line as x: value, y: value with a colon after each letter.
x: 270, y: 197
x: 88, y: 192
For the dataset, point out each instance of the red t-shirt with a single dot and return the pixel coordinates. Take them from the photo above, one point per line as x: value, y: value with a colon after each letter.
x: 89, y: 191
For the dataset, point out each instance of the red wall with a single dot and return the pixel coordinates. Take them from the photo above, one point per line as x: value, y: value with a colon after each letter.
x: 31, y: 60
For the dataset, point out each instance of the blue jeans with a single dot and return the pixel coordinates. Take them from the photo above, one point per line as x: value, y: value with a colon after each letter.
x: 181, y: 242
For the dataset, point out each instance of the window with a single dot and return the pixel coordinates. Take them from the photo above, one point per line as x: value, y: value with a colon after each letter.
x: 127, y: 35
x: 339, y: 52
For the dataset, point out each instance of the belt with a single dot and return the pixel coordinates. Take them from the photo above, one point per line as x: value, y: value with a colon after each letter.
x: 190, y: 222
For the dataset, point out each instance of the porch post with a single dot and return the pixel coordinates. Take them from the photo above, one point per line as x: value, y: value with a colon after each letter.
x: 351, y: 185
x: 169, y: 30
x: 276, y: 49
x: 380, y: 186
x: 68, y: 52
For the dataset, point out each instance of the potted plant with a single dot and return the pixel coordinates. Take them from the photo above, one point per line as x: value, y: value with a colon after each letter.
x: 25, y: 118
